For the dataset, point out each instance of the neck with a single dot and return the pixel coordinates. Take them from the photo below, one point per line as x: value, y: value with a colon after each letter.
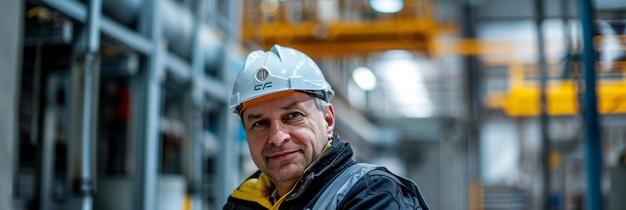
x: 283, y: 188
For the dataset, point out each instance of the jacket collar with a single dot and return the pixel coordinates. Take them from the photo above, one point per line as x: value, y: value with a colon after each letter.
x: 330, y: 163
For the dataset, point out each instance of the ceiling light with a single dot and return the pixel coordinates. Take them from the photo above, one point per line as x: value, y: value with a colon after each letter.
x: 269, y: 7
x: 387, y: 6
x: 403, y: 82
x: 364, y: 78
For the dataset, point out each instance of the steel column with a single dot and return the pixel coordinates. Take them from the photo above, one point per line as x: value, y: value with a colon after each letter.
x: 11, y: 21
x: 543, y: 116
x: 46, y: 173
x: 469, y: 20
x: 43, y: 181
x: 593, y: 140
x: 195, y: 146
x: 147, y: 102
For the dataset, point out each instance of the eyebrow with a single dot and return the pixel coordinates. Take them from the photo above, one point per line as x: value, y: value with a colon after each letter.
x: 286, y: 107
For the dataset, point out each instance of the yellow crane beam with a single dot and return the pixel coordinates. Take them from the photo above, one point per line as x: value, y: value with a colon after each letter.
x: 342, y: 38
x: 413, y: 28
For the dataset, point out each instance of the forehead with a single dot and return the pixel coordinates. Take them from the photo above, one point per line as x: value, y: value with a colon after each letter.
x: 283, y: 102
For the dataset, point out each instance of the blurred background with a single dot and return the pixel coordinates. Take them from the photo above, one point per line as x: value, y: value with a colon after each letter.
x: 486, y: 104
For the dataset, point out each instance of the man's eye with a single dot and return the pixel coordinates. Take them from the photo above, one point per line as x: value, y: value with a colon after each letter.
x: 258, y: 124
x: 293, y: 115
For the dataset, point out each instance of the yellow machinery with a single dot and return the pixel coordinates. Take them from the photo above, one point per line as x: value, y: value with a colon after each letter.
x: 522, y: 97
x: 413, y: 28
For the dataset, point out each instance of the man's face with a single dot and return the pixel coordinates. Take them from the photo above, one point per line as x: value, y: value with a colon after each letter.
x: 286, y: 134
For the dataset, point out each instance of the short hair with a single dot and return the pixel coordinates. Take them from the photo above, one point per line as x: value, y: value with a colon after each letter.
x: 321, y: 103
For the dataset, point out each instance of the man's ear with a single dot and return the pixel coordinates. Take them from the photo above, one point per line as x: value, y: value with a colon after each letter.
x: 329, y: 117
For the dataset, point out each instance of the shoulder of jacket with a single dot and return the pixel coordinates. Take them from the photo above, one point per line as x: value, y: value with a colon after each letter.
x: 405, y: 184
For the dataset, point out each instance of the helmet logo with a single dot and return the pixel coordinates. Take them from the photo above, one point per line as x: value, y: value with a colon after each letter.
x: 262, y: 74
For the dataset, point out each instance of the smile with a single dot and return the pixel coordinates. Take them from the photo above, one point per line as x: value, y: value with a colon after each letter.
x: 283, y: 155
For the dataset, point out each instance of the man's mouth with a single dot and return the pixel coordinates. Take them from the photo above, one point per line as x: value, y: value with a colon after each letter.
x: 283, y: 155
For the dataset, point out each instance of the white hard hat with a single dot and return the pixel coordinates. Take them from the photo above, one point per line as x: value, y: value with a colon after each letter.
x: 274, y: 73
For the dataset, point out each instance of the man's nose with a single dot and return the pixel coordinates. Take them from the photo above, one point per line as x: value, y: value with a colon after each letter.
x: 278, y: 133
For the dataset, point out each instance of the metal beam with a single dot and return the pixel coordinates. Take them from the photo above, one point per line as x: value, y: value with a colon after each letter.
x: 175, y: 64
x: 593, y: 140
x: 78, y: 11
x: 216, y: 88
x: 543, y: 104
x: 344, y: 38
x: 179, y: 67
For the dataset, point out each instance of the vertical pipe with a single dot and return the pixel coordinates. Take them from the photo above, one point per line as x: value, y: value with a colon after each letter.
x: 85, y: 182
x: 34, y: 118
x: 473, y: 122
x: 195, y: 148
x: 147, y: 148
x: 93, y: 25
x: 88, y: 85
x: 593, y: 153
x: 41, y: 183
x: 566, y: 30
x: 47, y: 156
x: 543, y: 116
x: 147, y: 110
x: 11, y: 24
x: 566, y: 38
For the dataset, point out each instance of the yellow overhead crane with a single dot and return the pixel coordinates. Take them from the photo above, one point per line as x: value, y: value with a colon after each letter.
x: 413, y: 28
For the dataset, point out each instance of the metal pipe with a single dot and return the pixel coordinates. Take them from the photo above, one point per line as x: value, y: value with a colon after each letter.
x: 567, y: 36
x: 34, y: 118
x: 195, y: 148
x: 147, y: 110
x: 90, y: 85
x: 94, y: 12
x: 567, y: 44
x: 593, y: 140
x: 11, y: 38
x: 178, y: 26
x: 469, y: 20
x: 123, y: 11
x: 42, y: 183
x: 47, y: 154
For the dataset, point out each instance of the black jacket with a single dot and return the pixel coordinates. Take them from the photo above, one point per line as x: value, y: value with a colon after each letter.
x: 378, y: 189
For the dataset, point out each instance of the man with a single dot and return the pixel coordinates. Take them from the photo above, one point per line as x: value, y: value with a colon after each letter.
x: 283, y: 100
